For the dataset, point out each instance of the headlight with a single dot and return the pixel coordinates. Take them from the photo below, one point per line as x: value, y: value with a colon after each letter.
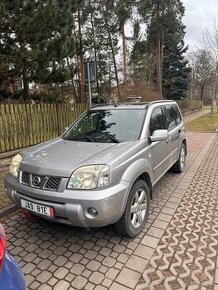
x: 15, y: 164
x: 90, y: 177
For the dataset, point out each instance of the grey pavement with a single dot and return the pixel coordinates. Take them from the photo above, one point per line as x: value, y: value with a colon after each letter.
x: 195, y: 115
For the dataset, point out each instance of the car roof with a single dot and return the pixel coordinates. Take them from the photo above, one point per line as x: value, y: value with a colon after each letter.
x: 130, y: 105
x: 120, y: 106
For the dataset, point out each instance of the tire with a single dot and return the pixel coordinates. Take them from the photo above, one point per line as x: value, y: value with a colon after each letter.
x: 179, y: 166
x: 131, y: 224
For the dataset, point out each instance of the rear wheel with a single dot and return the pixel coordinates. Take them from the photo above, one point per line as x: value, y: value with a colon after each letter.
x: 136, y: 212
x: 179, y: 166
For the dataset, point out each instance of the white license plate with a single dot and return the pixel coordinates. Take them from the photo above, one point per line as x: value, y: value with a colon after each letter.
x: 38, y: 208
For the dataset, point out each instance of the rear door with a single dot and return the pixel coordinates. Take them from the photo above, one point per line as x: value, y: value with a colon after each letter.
x: 175, y: 127
x: 159, y: 152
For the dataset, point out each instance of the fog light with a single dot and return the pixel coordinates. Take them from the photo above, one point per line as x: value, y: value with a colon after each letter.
x: 92, y: 211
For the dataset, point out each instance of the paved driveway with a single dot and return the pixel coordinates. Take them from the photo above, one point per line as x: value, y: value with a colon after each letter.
x: 176, y: 250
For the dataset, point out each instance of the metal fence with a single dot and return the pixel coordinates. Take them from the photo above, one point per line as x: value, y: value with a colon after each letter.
x: 189, y: 105
x: 23, y: 125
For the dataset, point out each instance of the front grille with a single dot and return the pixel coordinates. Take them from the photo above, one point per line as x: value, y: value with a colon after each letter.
x: 52, y: 183
x: 25, y: 177
x: 40, y: 181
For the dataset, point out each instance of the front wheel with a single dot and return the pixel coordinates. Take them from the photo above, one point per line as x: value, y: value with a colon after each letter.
x: 136, y: 212
x: 179, y: 166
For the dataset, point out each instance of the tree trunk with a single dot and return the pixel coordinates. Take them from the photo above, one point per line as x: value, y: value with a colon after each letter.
x: 159, y: 49
x: 124, y: 54
x: 109, y: 80
x: 72, y: 80
x: 159, y: 56
x: 214, y: 88
x: 81, y: 66
x: 25, y: 85
x: 193, y: 84
x: 95, y: 53
x: 112, y: 49
x: 114, y: 61
x: 202, y: 95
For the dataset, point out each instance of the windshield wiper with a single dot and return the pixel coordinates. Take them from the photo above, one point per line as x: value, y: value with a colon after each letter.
x: 108, y: 135
x: 87, y: 137
x: 75, y: 138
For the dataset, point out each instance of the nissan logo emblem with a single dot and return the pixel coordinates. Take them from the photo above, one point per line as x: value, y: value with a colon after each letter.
x: 36, y: 180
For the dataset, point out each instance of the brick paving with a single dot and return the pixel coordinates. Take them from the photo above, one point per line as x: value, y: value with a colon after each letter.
x: 4, y: 200
x: 185, y: 257
x: 176, y: 250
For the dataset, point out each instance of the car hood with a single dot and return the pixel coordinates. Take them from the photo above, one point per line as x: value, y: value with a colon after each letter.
x: 60, y: 157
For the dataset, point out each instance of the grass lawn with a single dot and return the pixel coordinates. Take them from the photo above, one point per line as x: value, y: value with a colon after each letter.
x: 207, y: 123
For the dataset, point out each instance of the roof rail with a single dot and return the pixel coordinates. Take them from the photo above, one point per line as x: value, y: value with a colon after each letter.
x: 161, y: 101
x: 117, y: 104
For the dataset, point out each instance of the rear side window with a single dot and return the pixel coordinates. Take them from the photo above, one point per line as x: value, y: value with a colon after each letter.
x: 173, y: 116
x: 178, y: 115
x: 157, y: 121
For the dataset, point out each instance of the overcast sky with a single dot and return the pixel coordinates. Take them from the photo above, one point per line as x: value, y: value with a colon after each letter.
x: 199, y: 15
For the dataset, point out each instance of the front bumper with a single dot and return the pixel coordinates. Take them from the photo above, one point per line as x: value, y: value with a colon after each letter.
x: 70, y: 206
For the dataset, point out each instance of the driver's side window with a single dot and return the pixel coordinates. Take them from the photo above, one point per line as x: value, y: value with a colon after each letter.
x: 157, y: 121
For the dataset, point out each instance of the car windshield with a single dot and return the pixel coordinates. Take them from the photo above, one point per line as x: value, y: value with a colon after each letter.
x: 107, y: 126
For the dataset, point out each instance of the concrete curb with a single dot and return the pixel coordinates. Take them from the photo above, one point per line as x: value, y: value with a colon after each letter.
x: 9, y: 154
x: 7, y: 210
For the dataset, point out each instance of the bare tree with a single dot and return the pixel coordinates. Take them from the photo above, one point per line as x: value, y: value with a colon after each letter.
x: 191, y: 56
x: 202, y: 65
x: 210, y: 40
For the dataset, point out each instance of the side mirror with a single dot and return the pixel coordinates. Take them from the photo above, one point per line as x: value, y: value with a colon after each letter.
x: 159, y: 135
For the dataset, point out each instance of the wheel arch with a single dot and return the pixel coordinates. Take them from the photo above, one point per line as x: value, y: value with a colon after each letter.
x: 184, y: 141
x: 140, y: 169
x: 146, y: 177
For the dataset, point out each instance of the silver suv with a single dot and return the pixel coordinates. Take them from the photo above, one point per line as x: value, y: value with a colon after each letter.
x: 102, y: 169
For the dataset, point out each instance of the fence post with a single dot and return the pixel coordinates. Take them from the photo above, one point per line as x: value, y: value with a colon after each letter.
x: 58, y: 119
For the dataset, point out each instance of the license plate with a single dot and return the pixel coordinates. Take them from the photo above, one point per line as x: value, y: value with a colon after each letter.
x: 38, y: 208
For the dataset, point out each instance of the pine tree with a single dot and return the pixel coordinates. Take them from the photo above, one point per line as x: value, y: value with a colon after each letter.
x: 138, y: 53
x: 176, y: 71
x: 102, y: 32
x: 164, y: 27
x: 124, y: 12
x: 141, y: 63
x: 36, y: 36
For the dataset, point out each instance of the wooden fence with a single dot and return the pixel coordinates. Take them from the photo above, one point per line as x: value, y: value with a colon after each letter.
x: 23, y: 125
